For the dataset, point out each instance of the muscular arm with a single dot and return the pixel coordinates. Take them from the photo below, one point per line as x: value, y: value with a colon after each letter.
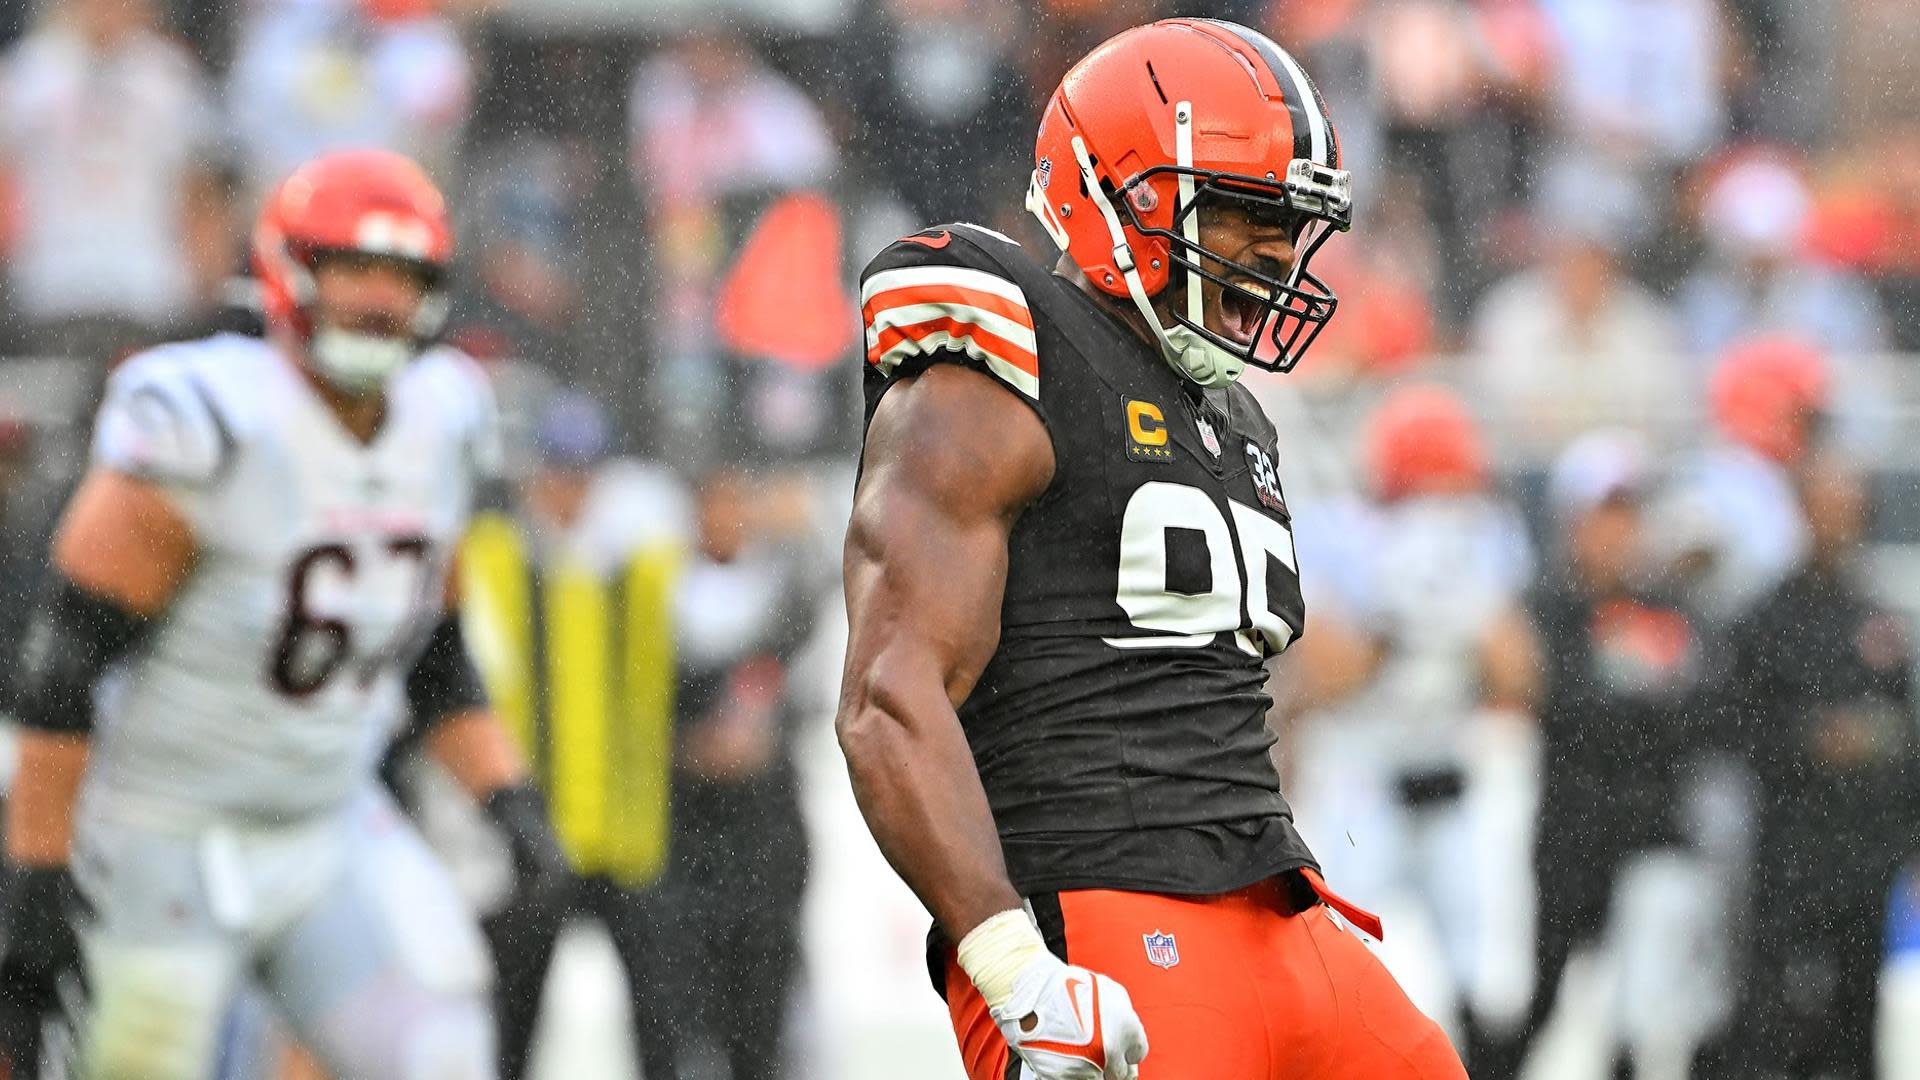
x: 1326, y: 666
x: 951, y: 461
x: 449, y: 702
x: 477, y: 752
x: 122, y: 541
x: 1510, y: 662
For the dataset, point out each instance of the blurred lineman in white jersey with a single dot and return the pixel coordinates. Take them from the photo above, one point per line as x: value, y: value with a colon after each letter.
x: 250, y: 597
x: 1413, y: 777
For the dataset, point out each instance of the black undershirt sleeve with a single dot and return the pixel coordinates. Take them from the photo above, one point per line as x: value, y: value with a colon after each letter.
x: 74, y: 636
x: 443, y: 682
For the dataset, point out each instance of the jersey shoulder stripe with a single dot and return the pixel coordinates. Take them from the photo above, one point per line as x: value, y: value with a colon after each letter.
x: 162, y: 419
x: 926, y: 300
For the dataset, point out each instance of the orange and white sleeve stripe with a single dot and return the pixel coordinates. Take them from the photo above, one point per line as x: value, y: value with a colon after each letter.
x: 917, y: 310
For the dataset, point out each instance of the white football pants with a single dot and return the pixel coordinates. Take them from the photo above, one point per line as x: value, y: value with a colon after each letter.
x: 347, y: 924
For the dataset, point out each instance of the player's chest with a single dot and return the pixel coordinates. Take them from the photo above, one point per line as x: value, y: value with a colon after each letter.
x: 1139, y: 427
x: 1172, y: 439
x: 1124, y: 419
x: 334, y: 551
x: 1174, y: 507
x: 405, y: 486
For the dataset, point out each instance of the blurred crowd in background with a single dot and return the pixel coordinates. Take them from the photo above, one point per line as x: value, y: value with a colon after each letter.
x: 1570, y: 208
x: 1614, y: 431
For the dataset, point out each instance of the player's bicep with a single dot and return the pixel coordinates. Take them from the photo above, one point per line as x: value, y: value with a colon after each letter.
x: 923, y: 590
x: 951, y: 461
x: 123, y: 539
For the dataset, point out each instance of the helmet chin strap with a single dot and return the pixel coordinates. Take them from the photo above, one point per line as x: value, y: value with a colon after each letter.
x: 1190, y: 227
x: 360, y: 364
x: 1190, y: 354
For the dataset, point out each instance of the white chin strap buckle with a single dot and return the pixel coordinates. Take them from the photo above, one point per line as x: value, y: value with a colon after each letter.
x: 1202, y: 361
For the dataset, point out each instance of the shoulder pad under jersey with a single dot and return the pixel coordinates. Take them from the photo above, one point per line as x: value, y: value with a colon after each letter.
x: 455, y: 386
x: 942, y: 294
x: 160, y: 420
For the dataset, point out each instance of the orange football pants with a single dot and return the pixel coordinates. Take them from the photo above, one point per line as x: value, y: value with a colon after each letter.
x: 1264, y: 987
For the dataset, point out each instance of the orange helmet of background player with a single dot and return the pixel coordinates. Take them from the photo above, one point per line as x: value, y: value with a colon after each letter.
x: 1422, y: 441
x: 1148, y: 128
x: 369, y: 202
x: 1765, y: 394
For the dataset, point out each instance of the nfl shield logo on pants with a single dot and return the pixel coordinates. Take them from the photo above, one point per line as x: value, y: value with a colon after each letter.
x: 1161, y: 949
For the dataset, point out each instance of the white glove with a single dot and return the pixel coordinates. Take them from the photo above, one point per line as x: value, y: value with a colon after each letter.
x: 1065, y: 1022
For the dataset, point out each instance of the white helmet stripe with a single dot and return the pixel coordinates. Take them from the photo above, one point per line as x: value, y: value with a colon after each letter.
x: 1183, y: 157
x: 1303, y: 100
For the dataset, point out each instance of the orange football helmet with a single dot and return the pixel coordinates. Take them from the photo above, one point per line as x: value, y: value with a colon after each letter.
x: 1422, y: 441
x: 1148, y: 127
x: 369, y: 202
x: 1766, y: 394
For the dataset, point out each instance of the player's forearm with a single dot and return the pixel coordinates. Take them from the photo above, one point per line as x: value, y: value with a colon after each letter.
x: 477, y: 752
x: 448, y: 702
x: 915, y: 780
x: 1511, y: 664
x: 1328, y: 665
x: 40, y: 806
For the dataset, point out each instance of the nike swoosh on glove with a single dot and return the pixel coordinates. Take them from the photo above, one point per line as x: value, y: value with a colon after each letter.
x: 1068, y: 1023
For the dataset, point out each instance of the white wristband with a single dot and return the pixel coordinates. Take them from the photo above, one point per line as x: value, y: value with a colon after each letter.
x: 995, y: 953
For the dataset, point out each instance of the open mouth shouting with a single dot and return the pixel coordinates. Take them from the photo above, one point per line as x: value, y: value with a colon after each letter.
x: 1242, y: 310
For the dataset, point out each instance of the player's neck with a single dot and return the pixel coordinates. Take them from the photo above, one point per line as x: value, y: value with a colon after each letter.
x: 1122, y: 310
x: 361, y: 415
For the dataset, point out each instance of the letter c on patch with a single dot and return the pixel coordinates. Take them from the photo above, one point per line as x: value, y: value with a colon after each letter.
x: 1146, y: 423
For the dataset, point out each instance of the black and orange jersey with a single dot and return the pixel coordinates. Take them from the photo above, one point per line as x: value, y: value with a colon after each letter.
x: 1120, y: 726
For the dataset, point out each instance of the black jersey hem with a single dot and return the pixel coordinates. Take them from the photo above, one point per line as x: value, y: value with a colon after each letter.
x: 1163, y: 886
